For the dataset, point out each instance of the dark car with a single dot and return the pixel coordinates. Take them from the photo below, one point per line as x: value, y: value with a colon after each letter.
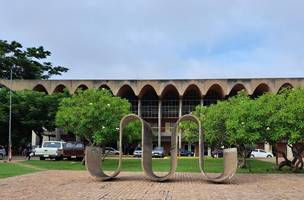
x: 73, y: 150
x: 217, y: 153
x: 184, y: 152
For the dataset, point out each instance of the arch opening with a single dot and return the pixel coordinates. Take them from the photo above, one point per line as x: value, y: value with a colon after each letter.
x: 236, y: 89
x: 40, y: 88
x: 60, y: 89
x: 81, y: 87
x: 287, y: 86
x: 105, y: 87
x: 191, y: 99
x: 260, y: 90
x: 127, y: 92
x: 214, y: 94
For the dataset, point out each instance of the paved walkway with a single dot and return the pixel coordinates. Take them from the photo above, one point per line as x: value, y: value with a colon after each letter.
x: 58, y: 185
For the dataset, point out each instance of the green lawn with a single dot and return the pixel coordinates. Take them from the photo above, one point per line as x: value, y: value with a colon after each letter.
x: 14, y: 169
x: 132, y: 164
x: 161, y: 165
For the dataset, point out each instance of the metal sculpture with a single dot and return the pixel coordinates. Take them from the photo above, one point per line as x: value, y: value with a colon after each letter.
x: 94, y: 162
x: 230, y: 155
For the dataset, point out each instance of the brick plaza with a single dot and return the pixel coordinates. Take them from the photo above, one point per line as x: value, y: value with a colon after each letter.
x: 58, y: 185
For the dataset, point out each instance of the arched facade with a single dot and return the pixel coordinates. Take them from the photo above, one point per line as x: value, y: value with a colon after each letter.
x: 161, y: 102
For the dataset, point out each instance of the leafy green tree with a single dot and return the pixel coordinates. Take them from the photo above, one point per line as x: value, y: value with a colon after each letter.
x: 213, y: 119
x: 93, y: 114
x: 189, y: 131
x: 26, y: 63
x: 132, y: 132
x: 31, y: 111
x: 289, y: 120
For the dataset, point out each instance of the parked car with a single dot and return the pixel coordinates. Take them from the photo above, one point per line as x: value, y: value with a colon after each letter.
x: 217, y: 153
x: 184, y: 152
x: 158, y: 152
x: 50, y: 149
x: 260, y: 153
x: 2, y: 152
x: 137, y: 152
x: 73, y: 150
x: 111, y: 151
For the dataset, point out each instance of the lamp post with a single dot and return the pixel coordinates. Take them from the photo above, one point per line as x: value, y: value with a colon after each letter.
x: 10, y: 118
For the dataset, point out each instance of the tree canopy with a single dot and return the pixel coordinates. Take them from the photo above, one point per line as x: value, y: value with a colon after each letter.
x: 31, y: 111
x: 29, y: 63
x: 93, y: 114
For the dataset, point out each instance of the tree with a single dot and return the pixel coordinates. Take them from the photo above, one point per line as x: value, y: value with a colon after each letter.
x: 189, y: 131
x: 290, y: 119
x: 93, y: 114
x: 231, y: 123
x: 26, y: 63
x: 31, y: 111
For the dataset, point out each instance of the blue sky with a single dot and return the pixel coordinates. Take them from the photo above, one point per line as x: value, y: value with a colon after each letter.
x: 159, y: 39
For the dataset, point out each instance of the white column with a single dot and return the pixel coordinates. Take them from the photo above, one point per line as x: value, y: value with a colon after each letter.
x: 139, y: 108
x: 179, y: 115
x: 209, y: 151
x: 267, y: 147
x: 202, y: 102
x: 189, y: 146
x: 159, y: 122
x: 289, y: 152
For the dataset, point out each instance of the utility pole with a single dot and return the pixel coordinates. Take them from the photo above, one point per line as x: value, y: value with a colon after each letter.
x: 10, y: 118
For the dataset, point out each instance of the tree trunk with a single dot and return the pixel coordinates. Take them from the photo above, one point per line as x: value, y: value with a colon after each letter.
x: 296, y: 163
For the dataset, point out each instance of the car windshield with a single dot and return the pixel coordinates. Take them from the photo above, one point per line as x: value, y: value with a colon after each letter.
x: 69, y: 145
x: 79, y: 145
x: 138, y: 149
x: 158, y: 149
x: 52, y: 144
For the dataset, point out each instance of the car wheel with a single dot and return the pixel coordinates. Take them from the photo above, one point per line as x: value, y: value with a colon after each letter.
x: 41, y: 158
x: 1, y: 156
x: 189, y: 155
x: 269, y: 156
x: 116, y: 154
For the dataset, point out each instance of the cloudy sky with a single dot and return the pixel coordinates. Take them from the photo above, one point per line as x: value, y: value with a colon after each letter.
x: 160, y: 39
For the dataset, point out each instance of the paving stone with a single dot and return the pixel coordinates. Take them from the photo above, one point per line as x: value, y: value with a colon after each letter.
x: 62, y: 185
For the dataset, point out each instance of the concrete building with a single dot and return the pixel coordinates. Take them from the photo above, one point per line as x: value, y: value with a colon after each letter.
x: 161, y: 102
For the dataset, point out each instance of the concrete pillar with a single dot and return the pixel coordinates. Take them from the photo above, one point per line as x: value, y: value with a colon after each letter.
x: 35, y: 138
x: 267, y: 147
x: 159, y: 122
x: 289, y: 152
x: 139, y: 108
x: 180, y: 105
x: 209, y: 151
x: 57, y: 134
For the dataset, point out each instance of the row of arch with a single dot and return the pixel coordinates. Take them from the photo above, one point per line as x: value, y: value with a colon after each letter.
x: 192, y: 90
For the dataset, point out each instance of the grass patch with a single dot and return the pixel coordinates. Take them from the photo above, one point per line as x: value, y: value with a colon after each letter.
x: 14, y: 169
x: 161, y: 165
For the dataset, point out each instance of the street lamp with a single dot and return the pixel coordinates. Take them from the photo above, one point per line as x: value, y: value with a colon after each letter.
x: 10, y: 117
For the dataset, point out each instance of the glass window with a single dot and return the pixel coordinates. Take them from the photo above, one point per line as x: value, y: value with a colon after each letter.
x: 52, y: 144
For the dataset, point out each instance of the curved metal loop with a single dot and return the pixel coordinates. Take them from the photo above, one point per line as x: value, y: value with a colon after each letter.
x: 147, y: 139
x: 230, y: 155
x: 93, y: 164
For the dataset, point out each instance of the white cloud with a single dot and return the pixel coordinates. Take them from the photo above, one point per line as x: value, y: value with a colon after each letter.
x: 162, y: 39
